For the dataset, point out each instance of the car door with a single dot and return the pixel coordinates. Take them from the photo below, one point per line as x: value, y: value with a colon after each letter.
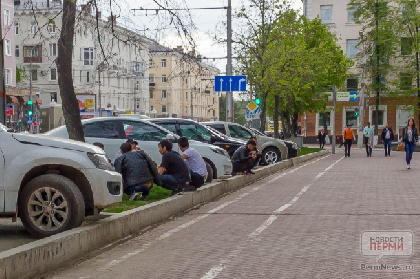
x: 2, y: 176
x: 147, y: 135
x: 106, y: 132
x: 237, y: 131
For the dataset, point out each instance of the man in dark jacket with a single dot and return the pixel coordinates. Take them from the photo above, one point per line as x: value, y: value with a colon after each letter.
x: 387, y: 137
x: 138, y: 171
x: 243, y: 158
x: 321, y: 138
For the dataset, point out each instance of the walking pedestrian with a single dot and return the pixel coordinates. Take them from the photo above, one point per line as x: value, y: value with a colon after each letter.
x: 321, y: 138
x: 387, y: 137
x: 367, y: 134
x: 194, y: 161
x: 138, y: 172
x: 410, y: 138
x: 348, y: 136
x: 243, y: 159
x: 173, y: 171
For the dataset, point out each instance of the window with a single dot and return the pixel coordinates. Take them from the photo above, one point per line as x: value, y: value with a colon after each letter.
x: 53, y: 97
x: 143, y: 131
x: 53, y: 49
x: 151, y: 78
x: 17, y: 52
x: 352, y: 48
x: 7, y: 47
x: 53, y: 74
x: 219, y: 127
x: 352, y: 84
x: 169, y: 126
x: 164, y: 109
x: 138, y: 67
x: 16, y: 28
x: 34, y: 74
x: 186, y: 96
x: 403, y: 113
x: 34, y: 27
x: 381, y: 114
x: 163, y: 63
x: 87, y: 76
x: 239, y: 132
x: 88, y: 56
x: 151, y: 94
x: 51, y: 28
x: 105, y: 129
x: 163, y: 94
x: 137, y: 85
x: 324, y: 119
x: 350, y: 13
x: 150, y: 63
x: 6, y: 14
x: 406, y: 46
x: 406, y: 81
x: 351, y: 119
x: 80, y: 75
x: 163, y: 78
x: 8, y: 77
x: 326, y: 13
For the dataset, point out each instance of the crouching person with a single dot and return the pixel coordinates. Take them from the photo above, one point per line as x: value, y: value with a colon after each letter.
x: 194, y: 161
x: 243, y: 159
x: 138, y: 172
x: 173, y: 171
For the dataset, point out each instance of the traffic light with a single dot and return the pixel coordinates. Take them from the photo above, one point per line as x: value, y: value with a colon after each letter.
x: 29, y: 103
x: 257, y: 101
x: 321, y: 116
x: 356, y: 112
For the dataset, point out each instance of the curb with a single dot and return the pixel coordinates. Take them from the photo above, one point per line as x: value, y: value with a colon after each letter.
x: 46, y: 255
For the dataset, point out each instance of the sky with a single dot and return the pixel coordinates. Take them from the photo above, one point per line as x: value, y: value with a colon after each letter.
x: 208, y: 23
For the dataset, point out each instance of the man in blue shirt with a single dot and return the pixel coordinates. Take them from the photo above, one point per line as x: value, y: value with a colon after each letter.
x: 194, y: 161
x: 368, y: 139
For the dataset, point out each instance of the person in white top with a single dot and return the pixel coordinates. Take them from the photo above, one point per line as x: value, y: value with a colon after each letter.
x: 194, y: 161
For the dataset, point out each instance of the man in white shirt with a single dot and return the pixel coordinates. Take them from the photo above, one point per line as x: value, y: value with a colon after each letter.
x: 368, y: 138
x: 194, y: 161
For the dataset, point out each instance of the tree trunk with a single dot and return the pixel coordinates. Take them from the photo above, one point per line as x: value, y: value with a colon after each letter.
x: 276, y: 116
x: 417, y: 75
x: 64, y: 68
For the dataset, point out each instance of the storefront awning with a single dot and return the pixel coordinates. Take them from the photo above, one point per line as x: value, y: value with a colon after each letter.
x: 13, y: 91
x: 12, y: 100
x: 35, y: 101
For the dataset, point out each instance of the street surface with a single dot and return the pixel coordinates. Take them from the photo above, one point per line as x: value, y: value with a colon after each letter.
x: 303, y: 222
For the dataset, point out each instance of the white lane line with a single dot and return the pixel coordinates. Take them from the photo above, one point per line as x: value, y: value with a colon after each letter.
x: 216, y: 270
x: 167, y: 234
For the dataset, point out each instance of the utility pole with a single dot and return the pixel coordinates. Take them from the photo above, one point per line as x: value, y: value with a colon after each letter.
x: 362, y: 95
x: 99, y: 92
x: 134, y: 95
x: 2, y: 85
x: 333, y: 119
x: 229, y: 95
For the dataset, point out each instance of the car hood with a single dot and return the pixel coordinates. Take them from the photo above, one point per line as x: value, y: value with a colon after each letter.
x: 48, y: 141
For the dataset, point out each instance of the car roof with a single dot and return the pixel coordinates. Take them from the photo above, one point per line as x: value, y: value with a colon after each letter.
x: 170, y: 119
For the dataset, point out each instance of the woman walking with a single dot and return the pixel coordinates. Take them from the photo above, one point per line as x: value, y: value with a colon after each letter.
x: 348, y: 136
x: 410, y: 138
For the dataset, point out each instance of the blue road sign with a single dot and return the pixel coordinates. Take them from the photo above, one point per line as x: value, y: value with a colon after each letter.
x: 9, y: 107
x: 29, y: 120
x: 353, y: 96
x: 229, y: 83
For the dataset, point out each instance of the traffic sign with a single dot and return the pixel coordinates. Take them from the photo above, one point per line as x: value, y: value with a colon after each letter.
x: 9, y: 110
x: 347, y: 96
x: 29, y: 120
x: 253, y: 111
x: 229, y: 83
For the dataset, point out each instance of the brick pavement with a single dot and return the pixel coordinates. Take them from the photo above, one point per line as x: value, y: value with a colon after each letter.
x: 322, y: 211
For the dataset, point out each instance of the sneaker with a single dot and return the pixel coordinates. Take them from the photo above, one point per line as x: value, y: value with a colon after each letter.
x: 408, y: 166
x: 250, y: 172
x: 133, y: 196
x: 144, y: 197
x: 176, y: 192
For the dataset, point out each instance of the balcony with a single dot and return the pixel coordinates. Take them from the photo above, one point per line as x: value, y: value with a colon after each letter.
x: 32, y: 59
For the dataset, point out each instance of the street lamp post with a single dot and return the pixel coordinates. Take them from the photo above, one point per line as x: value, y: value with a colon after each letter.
x: 362, y: 95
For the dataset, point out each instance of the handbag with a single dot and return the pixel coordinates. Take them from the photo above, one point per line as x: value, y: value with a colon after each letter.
x: 401, y: 146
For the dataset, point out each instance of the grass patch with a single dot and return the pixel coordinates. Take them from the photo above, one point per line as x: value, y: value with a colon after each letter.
x: 157, y: 193
x: 308, y: 150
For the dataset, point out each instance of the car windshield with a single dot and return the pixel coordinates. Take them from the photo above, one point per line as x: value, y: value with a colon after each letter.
x: 2, y: 127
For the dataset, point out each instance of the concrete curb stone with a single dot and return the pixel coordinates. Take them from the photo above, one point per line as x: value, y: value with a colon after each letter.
x: 47, y: 254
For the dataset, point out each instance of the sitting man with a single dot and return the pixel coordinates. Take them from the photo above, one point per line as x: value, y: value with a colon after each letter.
x: 194, y: 161
x: 243, y: 158
x: 133, y: 145
x: 173, y: 171
x: 138, y: 171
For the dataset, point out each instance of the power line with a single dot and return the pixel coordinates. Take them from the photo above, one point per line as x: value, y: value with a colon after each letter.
x: 180, y: 9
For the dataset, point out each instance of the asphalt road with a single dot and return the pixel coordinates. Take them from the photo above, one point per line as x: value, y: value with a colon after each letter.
x: 305, y: 222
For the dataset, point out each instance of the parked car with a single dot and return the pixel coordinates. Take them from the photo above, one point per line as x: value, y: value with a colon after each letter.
x: 139, y: 116
x: 272, y: 150
x: 292, y: 147
x: 52, y: 184
x: 113, y: 131
x: 195, y: 131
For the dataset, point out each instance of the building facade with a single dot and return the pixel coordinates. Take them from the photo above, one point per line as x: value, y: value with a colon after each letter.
x: 181, y: 85
x: 339, y: 16
x: 110, y: 72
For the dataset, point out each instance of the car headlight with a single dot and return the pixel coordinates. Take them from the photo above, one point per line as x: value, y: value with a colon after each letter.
x: 100, y: 161
x: 220, y: 151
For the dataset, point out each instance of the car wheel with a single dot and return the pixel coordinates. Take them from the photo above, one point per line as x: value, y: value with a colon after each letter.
x: 50, y: 204
x: 210, y: 172
x: 271, y: 155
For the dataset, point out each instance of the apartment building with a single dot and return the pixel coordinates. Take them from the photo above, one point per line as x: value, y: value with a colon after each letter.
x: 110, y: 70
x: 339, y: 16
x: 181, y: 85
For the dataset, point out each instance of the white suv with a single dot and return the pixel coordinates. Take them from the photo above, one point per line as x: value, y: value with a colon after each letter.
x: 113, y: 131
x: 51, y: 184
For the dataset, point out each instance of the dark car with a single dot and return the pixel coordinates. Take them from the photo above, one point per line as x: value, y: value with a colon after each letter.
x: 196, y: 131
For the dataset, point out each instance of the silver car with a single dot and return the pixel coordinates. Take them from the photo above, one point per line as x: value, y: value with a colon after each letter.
x: 272, y: 150
x: 113, y: 131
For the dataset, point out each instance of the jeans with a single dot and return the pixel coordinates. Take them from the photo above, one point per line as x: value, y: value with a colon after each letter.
x: 138, y: 188
x: 409, y: 149
x: 169, y: 182
x: 387, y: 147
x: 242, y: 166
x: 368, y: 149
x: 347, y: 146
x: 196, y: 179
x: 321, y: 143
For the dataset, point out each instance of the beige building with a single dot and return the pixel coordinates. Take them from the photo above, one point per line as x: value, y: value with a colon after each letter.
x: 181, y: 85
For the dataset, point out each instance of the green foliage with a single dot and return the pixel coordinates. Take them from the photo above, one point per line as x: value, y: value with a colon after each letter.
x: 21, y: 74
x: 308, y: 150
x: 239, y: 110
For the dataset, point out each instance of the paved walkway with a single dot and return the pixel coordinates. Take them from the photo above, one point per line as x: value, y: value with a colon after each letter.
x: 304, y: 222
